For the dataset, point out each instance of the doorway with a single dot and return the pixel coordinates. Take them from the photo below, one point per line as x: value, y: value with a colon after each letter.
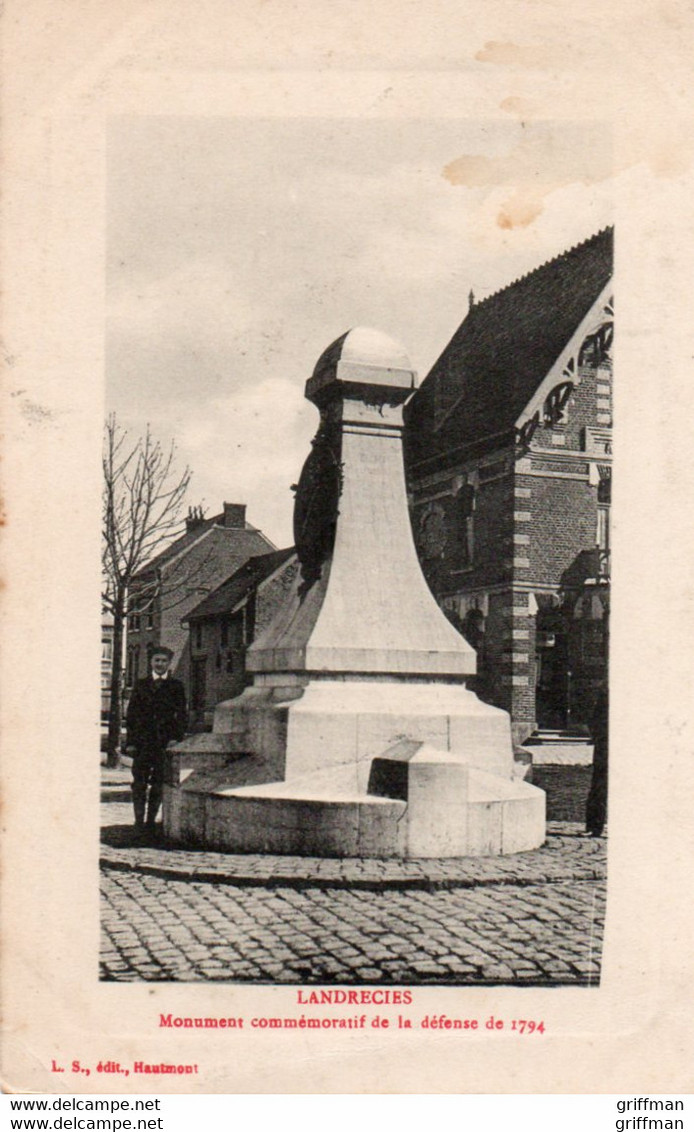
x: 553, y: 690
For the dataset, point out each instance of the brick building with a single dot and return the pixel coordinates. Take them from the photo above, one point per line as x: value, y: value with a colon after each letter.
x: 225, y: 623
x: 164, y: 591
x: 508, y: 455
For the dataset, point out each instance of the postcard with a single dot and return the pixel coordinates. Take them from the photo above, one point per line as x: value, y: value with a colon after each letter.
x: 346, y: 472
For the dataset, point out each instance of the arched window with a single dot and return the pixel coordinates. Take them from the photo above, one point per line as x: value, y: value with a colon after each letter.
x: 473, y: 627
x: 597, y: 347
x: 465, y: 508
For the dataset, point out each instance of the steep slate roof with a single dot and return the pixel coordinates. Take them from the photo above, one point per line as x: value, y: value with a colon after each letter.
x: 188, y: 538
x: 239, y: 584
x: 245, y: 540
x: 504, y: 349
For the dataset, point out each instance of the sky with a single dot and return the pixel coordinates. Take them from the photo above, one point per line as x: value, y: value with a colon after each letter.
x: 238, y: 249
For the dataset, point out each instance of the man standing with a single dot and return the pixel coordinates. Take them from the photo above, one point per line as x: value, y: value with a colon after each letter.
x: 156, y: 717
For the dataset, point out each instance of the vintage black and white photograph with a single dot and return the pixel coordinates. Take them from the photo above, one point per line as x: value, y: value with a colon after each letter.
x: 356, y: 551
x: 323, y: 606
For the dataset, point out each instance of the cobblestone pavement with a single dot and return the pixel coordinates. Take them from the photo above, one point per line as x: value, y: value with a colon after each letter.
x: 175, y: 915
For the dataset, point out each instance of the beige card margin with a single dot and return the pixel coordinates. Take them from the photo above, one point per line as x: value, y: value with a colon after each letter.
x: 65, y: 69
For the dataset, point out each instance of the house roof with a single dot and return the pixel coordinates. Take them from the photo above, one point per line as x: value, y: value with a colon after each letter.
x: 239, y: 584
x: 245, y: 541
x: 504, y: 349
x: 188, y: 538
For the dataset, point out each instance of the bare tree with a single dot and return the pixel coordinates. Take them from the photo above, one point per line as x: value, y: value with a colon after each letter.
x: 142, y: 507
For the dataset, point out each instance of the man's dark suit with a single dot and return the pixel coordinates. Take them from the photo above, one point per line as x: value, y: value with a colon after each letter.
x: 156, y: 716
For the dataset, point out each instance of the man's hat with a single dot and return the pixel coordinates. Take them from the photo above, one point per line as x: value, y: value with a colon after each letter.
x: 161, y: 650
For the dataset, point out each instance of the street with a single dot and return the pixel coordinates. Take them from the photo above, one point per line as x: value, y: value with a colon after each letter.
x: 177, y: 915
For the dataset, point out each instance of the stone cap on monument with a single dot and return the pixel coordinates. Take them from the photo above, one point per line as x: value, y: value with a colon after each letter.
x: 362, y: 361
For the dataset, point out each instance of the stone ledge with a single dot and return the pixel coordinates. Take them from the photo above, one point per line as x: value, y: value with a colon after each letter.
x: 567, y: 855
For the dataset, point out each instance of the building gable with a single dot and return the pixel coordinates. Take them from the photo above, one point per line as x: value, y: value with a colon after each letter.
x: 500, y: 356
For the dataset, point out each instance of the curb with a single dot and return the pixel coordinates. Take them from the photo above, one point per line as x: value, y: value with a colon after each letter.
x: 367, y: 884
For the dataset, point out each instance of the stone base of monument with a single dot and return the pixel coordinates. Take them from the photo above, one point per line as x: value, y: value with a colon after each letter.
x: 419, y: 801
x: 358, y: 736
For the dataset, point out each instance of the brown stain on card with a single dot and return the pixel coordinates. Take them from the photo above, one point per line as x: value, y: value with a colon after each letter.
x: 520, y: 106
x: 543, y: 160
x: 471, y: 170
x: 552, y: 156
x: 661, y: 140
x: 529, y: 172
x: 519, y: 213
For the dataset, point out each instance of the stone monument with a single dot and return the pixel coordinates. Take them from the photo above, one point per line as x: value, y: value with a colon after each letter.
x: 358, y: 736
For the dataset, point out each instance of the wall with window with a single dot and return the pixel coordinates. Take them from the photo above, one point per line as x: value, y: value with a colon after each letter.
x: 217, y: 662
x: 462, y: 523
x: 218, y: 644
x: 106, y: 668
x: 536, y: 530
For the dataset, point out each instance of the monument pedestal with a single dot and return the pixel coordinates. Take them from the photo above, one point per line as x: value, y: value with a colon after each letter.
x: 358, y: 736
